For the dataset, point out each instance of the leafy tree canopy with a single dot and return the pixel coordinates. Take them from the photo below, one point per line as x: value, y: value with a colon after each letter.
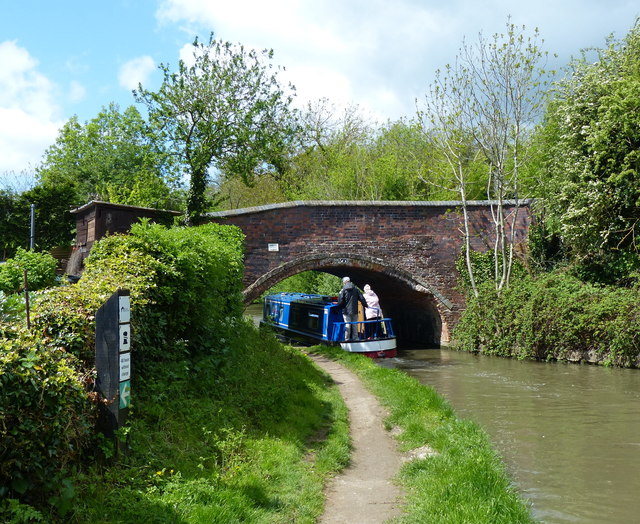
x: 346, y: 156
x: 114, y: 157
x: 54, y: 224
x: 592, y: 159
x: 224, y: 110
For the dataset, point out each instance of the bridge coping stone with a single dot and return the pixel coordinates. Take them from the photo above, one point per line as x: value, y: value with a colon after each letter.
x: 340, y: 203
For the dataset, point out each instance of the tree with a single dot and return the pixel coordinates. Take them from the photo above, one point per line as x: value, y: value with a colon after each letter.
x: 493, y: 94
x: 591, y: 138
x: 54, y: 224
x: 114, y: 157
x: 344, y: 155
x: 225, y: 111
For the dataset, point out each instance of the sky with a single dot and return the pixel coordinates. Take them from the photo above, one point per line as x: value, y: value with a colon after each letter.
x: 69, y: 57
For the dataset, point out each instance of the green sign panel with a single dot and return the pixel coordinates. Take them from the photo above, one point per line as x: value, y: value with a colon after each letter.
x: 125, y: 394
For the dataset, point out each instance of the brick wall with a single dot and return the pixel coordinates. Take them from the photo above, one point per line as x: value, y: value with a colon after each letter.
x: 405, y: 248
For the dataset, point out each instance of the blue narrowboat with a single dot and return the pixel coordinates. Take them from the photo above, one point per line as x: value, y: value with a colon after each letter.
x: 318, y: 317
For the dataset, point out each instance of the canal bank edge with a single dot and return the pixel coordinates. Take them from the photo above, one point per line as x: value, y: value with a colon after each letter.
x: 451, y: 473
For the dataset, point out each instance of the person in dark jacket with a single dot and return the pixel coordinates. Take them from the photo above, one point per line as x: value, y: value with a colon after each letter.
x: 348, y: 300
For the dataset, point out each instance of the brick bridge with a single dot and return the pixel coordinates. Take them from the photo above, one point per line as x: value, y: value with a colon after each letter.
x: 406, y: 251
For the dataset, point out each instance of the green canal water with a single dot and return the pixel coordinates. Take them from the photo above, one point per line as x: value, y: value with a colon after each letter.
x: 569, y: 433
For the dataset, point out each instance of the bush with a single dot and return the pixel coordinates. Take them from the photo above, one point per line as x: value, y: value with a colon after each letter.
x: 41, y: 271
x: 196, y: 282
x: 183, y: 283
x: 45, y: 417
x: 12, y: 309
x: 554, y: 317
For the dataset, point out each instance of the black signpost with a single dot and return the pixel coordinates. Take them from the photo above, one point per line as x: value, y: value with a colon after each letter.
x: 113, y: 361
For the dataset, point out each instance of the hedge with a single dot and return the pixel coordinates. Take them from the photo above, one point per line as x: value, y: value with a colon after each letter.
x: 184, y: 283
x: 554, y: 317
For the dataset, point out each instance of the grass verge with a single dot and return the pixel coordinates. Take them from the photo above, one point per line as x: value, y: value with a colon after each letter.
x: 232, y: 437
x: 462, y: 480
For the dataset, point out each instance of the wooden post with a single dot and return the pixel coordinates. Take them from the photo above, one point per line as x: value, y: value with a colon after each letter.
x: 113, y: 361
x: 26, y: 299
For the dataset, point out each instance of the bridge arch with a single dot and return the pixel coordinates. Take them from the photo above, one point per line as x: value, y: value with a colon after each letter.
x: 419, y: 310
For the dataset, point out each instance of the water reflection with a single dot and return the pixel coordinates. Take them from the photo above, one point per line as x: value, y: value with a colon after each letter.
x: 570, y: 434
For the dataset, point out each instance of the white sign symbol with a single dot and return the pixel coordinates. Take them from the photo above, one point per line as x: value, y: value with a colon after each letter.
x: 125, y: 366
x: 125, y: 394
x: 125, y: 337
x: 124, y: 309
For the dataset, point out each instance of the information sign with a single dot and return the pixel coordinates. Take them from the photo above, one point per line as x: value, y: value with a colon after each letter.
x: 125, y: 337
x: 125, y: 394
x: 125, y: 366
x: 124, y: 304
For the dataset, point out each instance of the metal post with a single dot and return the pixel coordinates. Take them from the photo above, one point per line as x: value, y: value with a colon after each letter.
x: 32, y: 238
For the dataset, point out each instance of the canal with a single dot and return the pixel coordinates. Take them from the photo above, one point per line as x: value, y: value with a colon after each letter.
x: 568, y: 433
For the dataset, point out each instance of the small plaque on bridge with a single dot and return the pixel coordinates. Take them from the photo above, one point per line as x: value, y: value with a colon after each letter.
x: 273, y: 247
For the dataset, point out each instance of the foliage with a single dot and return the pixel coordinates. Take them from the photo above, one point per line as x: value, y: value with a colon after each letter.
x: 45, y: 417
x: 591, y: 141
x: 235, y: 193
x: 462, y: 479
x: 114, y: 157
x: 195, y: 275
x: 40, y: 267
x: 546, y: 250
x: 347, y: 157
x: 183, y: 282
x: 309, y: 282
x: 555, y: 317
x: 54, y: 223
x: 184, y: 285
x: 224, y: 110
x: 482, y: 265
x: 226, y: 437
x: 11, y: 309
x: 485, y: 104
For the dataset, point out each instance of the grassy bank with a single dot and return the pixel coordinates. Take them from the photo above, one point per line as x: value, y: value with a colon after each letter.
x: 247, y: 438
x: 463, y: 481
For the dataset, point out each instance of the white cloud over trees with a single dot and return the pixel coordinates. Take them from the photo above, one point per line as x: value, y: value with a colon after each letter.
x: 29, y: 113
x: 136, y: 71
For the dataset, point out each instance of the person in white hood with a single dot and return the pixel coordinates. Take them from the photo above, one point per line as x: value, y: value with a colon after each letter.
x: 372, y: 311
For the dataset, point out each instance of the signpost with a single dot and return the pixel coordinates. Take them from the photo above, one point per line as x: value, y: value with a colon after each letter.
x: 113, y: 361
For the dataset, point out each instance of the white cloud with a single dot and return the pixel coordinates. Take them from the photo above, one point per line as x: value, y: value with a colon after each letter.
x: 29, y: 120
x: 357, y: 52
x: 383, y: 54
x: 77, y: 91
x: 136, y: 71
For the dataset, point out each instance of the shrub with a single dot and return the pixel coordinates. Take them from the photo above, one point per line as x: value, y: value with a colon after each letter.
x: 555, y: 316
x: 12, y: 308
x: 45, y: 417
x: 41, y: 270
x: 197, y: 274
x: 183, y: 284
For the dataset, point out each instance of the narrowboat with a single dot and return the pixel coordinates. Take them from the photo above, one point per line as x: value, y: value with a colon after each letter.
x: 318, y: 317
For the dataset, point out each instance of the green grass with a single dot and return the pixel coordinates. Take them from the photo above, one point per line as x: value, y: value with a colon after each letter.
x: 249, y: 434
x: 465, y: 481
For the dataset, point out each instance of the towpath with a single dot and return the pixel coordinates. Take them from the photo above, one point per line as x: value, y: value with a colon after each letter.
x: 364, y: 492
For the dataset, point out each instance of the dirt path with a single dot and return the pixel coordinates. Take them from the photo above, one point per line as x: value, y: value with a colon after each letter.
x: 364, y: 492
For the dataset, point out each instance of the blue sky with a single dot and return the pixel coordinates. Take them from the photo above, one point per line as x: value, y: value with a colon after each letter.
x: 68, y: 57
